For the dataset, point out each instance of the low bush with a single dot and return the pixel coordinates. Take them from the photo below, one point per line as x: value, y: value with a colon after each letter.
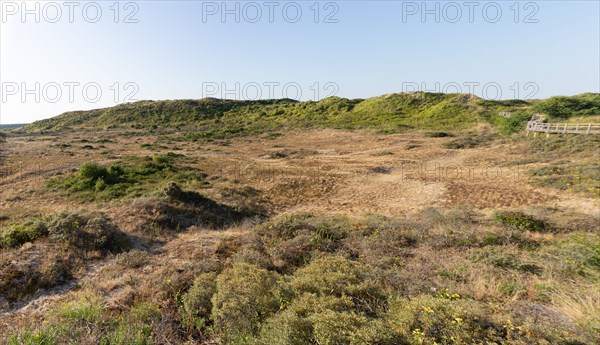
x: 430, y: 320
x: 133, y: 177
x: 72, y: 240
x: 520, y: 221
x: 438, y: 134
x: 87, y: 231
x: 132, y: 259
x: 28, y: 230
x: 179, y: 210
x: 337, y: 276
x: 197, y: 302
x: 85, y: 320
x: 503, y: 258
x: 577, y: 254
x: 312, y: 319
x: 469, y: 141
x: 516, y: 122
x: 246, y: 295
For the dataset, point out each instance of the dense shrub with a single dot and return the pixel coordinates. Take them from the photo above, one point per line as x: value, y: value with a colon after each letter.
x: 337, y: 276
x: 327, y: 319
x: 28, y: 230
x: 438, y: 134
x: 197, y: 304
x: 246, y: 295
x: 565, y: 107
x: 514, y: 123
x: 286, y: 328
x: 430, y: 320
x: 470, y: 141
x: 331, y: 327
x: 132, y: 177
x: 520, y: 221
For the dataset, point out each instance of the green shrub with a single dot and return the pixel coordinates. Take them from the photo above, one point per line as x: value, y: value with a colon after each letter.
x: 295, y: 324
x: 28, y: 230
x: 332, y: 328
x: 246, y: 295
x: 337, y: 276
x: 135, y: 328
x: 286, y: 328
x: 197, y: 304
x: 564, y: 107
x: 520, y: 221
x: 312, y: 319
x: 430, y: 320
x: 134, y: 177
x: 438, y: 135
x: 514, y: 123
x: 470, y: 141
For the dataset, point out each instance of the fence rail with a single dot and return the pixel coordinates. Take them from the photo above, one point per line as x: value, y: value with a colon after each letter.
x: 590, y: 128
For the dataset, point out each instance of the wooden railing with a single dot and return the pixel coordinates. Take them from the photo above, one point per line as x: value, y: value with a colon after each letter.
x: 590, y: 128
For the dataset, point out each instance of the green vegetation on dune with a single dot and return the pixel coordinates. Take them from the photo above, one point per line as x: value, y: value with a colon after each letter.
x: 565, y: 107
x: 219, y: 118
x: 132, y: 177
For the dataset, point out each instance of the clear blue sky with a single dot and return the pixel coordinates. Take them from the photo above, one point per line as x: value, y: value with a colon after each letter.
x: 182, y: 49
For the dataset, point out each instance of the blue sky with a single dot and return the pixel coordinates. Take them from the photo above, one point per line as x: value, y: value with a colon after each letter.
x: 184, y: 49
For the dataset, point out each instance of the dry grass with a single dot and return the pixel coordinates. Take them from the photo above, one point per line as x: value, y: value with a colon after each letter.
x: 581, y: 306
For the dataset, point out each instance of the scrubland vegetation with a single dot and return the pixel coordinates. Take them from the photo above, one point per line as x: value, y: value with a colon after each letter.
x: 132, y: 177
x: 216, y: 119
x: 141, y: 245
x: 453, y: 277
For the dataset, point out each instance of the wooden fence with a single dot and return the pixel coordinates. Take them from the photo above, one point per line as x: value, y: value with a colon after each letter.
x: 565, y: 128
